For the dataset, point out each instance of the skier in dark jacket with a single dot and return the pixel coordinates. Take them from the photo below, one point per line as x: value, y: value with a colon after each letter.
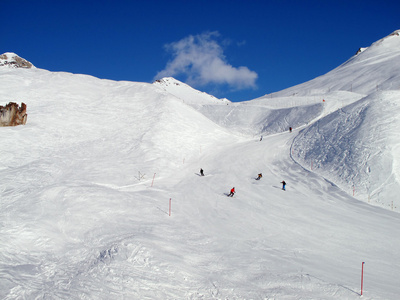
x: 201, y: 172
x: 283, y: 185
x: 232, y: 192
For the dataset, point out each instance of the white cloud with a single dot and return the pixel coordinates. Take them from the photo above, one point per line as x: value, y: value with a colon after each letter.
x: 201, y: 59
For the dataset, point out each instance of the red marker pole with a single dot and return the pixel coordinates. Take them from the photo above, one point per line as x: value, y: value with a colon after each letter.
x: 169, y: 206
x: 153, y: 179
x: 362, y: 277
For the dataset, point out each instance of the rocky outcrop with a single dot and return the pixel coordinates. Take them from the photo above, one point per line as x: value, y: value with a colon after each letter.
x: 12, y: 60
x: 13, y: 115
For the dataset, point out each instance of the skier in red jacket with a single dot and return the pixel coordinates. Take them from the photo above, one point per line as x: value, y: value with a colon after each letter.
x: 232, y: 192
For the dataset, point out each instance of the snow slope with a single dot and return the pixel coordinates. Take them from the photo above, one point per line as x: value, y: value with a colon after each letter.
x: 86, y: 185
x: 246, y: 118
x: 357, y: 147
x: 371, y: 70
x: 356, y: 150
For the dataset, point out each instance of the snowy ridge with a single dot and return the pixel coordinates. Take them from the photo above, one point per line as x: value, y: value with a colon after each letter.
x: 188, y: 94
x: 375, y: 68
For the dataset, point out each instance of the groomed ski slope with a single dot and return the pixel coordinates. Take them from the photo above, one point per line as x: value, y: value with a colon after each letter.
x: 304, y: 243
x: 77, y: 223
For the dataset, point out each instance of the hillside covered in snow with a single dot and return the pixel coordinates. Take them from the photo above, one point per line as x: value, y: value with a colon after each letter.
x: 355, y: 143
x: 101, y: 195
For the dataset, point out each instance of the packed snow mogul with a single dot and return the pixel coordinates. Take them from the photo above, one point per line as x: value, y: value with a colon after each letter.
x: 201, y: 172
x: 232, y: 192
x: 283, y: 185
x: 259, y: 176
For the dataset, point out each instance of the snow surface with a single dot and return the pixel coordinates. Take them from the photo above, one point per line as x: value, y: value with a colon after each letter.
x: 86, y: 185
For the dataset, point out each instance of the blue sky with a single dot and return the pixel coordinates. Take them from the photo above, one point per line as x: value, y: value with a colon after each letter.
x: 239, y: 50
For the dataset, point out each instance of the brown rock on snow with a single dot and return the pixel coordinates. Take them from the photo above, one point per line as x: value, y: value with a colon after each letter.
x: 13, y: 115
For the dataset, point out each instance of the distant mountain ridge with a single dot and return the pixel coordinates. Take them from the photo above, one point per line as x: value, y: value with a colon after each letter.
x: 188, y: 94
x: 355, y: 75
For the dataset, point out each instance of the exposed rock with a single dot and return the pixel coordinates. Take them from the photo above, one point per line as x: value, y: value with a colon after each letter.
x: 13, y: 115
x: 360, y: 50
x: 12, y: 60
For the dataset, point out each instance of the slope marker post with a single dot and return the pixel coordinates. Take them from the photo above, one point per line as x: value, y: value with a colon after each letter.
x: 153, y: 179
x: 169, y: 206
x: 362, y: 277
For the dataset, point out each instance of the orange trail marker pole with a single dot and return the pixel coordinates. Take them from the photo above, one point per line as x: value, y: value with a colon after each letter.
x: 362, y: 277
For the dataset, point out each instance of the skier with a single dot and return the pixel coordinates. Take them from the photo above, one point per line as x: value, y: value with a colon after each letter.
x: 201, y: 172
x: 259, y: 176
x: 261, y: 138
x: 232, y: 192
x: 290, y: 129
x: 283, y: 185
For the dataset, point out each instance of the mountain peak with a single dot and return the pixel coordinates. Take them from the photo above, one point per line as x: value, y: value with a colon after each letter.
x: 12, y: 60
x: 186, y: 93
x: 389, y: 39
x: 396, y: 32
x: 167, y: 80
